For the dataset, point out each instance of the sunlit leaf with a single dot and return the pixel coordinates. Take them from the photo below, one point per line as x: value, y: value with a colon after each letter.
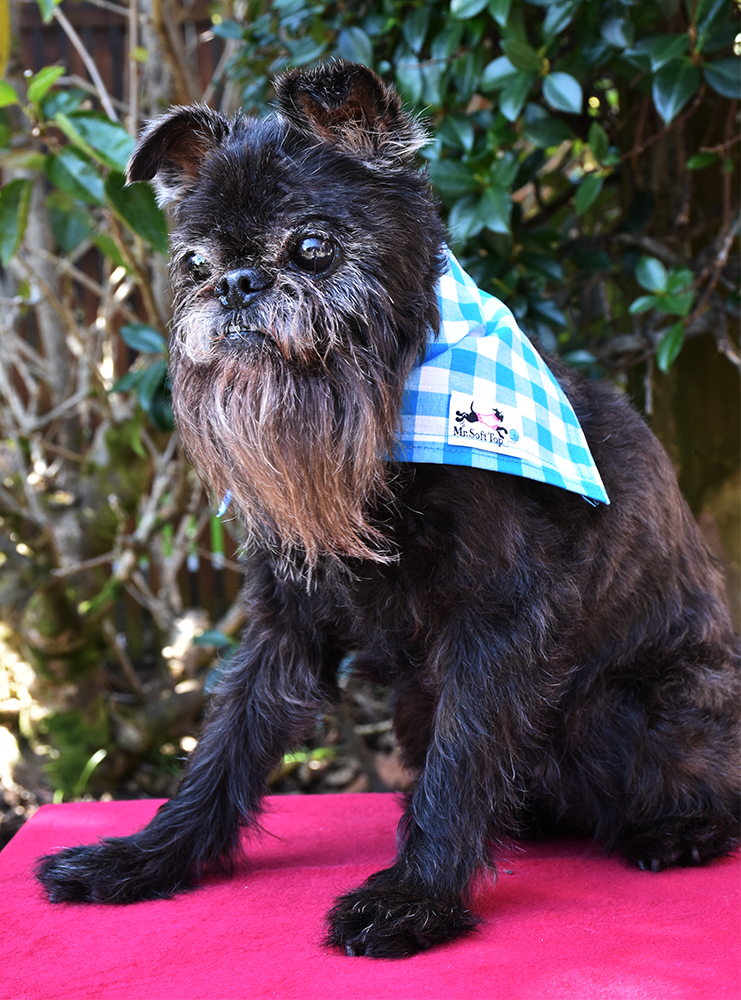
x: 8, y: 95
x: 463, y: 9
x: 111, y: 142
x: 42, y: 83
x: 651, y: 274
x: 498, y: 72
x: 499, y: 10
x: 563, y: 92
x: 617, y: 30
x: 71, y: 171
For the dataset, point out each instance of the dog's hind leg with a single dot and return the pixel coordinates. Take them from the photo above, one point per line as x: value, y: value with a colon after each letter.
x: 650, y: 765
x: 469, y: 791
x: 268, y: 698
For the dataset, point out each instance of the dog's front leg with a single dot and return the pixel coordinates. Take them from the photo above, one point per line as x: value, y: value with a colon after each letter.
x: 268, y: 699
x: 469, y: 791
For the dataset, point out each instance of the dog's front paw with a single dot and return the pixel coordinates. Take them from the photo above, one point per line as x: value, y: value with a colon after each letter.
x: 386, y: 920
x: 116, y: 870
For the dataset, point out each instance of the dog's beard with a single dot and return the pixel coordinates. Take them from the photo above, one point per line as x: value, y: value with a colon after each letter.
x: 297, y: 424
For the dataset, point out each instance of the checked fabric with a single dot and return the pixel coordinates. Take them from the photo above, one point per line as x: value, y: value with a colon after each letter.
x: 483, y: 397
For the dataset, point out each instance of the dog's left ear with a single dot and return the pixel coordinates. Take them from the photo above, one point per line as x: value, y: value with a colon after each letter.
x: 171, y: 150
x: 347, y: 105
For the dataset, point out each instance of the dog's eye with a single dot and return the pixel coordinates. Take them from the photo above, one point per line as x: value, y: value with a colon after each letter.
x: 313, y: 254
x: 198, y: 267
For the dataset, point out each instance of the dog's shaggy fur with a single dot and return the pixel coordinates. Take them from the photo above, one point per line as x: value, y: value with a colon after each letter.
x: 552, y: 662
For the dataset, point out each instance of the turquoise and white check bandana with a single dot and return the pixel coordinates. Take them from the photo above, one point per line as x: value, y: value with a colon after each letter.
x: 483, y: 397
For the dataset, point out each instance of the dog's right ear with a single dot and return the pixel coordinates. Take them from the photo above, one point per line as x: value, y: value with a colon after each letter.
x: 171, y: 149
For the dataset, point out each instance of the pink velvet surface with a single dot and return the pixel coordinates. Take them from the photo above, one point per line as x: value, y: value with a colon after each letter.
x: 563, y: 923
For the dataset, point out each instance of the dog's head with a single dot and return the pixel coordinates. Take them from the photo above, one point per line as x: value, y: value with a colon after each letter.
x: 304, y: 262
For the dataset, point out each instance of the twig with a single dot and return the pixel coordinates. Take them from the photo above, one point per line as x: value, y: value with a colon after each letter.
x: 89, y: 63
x: 643, y: 146
x: 118, y: 642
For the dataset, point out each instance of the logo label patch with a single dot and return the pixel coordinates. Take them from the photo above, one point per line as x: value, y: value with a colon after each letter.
x: 483, y: 423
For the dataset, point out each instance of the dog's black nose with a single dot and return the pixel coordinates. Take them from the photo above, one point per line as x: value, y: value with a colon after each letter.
x: 235, y: 288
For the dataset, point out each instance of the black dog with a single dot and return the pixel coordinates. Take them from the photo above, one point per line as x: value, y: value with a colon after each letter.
x: 553, y: 662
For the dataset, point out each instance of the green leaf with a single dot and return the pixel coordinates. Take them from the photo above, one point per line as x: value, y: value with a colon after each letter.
x: 70, y: 224
x: 15, y: 200
x: 495, y: 209
x: 414, y: 28
x: 409, y: 79
x: 651, y: 274
x: 545, y: 130
x: 598, y: 142
x: 504, y: 170
x: 514, y: 94
x: 457, y: 131
x: 143, y: 337
x: 661, y: 49
x: 546, y: 311
x: 559, y: 16
x: 110, y: 141
x: 152, y: 394
x: 447, y: 41
x: 679, y: 278
x: 452, y: 177
x: 522, y: 55
x: 228, y: 29
x: 214, y: 637
x: 354, y: 45
x: 642, y: 304
x: 499, y: 10
x: 670, y: 346
x: 673, y: 86
x: 724, y: 76
x: 588, y: 192
x: 8, y: 95
x: 305, y: 50
x: 563, y: 92
x: 706, y: 14
x: 542, y: 264
x: 463, y: 9
x: 617, y: 30
x: 680, y: 303
x: 129, y: 381
x: 42, y: 83
x: 701, y: 160
x: 66, y: 101
x: 47, y: 9
x: 498, y: 73
x: 465, y: 219
x: 71, y: 171
x: 137, y: 206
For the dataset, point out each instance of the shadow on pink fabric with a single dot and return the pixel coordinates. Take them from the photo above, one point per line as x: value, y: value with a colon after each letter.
x: 563, y: 923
